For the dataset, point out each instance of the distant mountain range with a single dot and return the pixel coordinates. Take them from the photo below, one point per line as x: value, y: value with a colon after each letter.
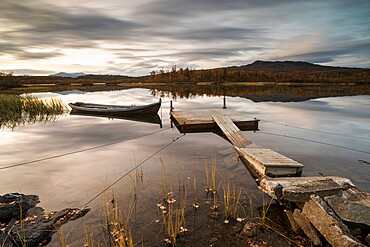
x: 73, y: 75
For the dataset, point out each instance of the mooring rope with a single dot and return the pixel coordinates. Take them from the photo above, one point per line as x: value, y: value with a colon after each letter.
x: 314, y: 141
x: 131, y: 170
x: 314, y: 130
x: 81, y: 150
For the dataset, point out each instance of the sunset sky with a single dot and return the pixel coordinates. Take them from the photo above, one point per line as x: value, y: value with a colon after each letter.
x: 38, y: 37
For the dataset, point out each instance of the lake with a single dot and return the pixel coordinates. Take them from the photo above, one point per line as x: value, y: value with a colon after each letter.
x: 69, y: 161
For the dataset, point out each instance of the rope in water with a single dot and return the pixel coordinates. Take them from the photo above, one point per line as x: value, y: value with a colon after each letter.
x: 314, y: 141
x: 81, y: 150
x: 318, y: 131
x: 131, y: 170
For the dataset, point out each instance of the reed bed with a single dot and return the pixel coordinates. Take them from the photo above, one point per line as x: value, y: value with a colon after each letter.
x: 16, y: 110
x: 175, y: 209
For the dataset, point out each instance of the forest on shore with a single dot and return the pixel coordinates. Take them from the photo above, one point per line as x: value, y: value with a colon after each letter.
x: 259, y: 71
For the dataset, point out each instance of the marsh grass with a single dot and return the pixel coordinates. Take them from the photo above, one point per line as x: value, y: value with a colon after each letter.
x: 231, y: 202
x: 16, y: 110
x: 214, y: 206
x: 208, y: 186
x: 195, y: 191
x: 251, y: 208
x: 173, y: 210
x: 118, y: 224
x: 265, y: 208
x: 121, y: 222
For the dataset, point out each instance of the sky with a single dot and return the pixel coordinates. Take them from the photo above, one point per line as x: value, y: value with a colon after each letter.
x: 135, y: 37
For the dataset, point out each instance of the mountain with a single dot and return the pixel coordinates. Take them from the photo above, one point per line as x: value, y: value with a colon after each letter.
x: 266, y: 71
x: 64, y: 74
x: 289, y: 66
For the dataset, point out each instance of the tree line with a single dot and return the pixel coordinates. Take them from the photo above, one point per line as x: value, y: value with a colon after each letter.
x: 236, y: 75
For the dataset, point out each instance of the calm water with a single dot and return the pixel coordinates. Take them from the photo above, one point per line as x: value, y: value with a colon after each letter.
x: 72, y: 180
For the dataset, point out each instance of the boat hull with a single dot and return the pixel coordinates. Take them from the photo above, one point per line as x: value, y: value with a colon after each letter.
x: 114, y: 110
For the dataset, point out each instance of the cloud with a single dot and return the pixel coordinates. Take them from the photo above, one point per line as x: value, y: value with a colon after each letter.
x: 40, y: 24
x: 144, y: 35
x: 30, y: 72
x: 323, y: 49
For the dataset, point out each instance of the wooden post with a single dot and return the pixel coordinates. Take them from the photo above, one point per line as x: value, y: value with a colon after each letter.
x: 224, y: 102
x: 171, y: 107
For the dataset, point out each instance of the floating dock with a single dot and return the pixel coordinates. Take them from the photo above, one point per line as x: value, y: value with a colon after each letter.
x: 196, y: 121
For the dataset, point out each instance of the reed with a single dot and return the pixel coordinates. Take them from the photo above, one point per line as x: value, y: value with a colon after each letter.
x: 208, y: 186
x: 62, y: 240
x: 265, y: 209
x: 231, y: 202
x: 172, y: 210
x: 195, y: 204
x: 214, y: 206
x: 15, y: 110
x: 118, y: 224
x: 251, y: 209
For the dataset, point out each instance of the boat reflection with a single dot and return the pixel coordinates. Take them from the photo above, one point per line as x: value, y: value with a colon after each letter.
x: 151, y: 118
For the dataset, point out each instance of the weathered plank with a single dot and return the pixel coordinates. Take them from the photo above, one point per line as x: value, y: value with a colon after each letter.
x: 265, y: 162
x: 194, y: 121
x: 231, y: 131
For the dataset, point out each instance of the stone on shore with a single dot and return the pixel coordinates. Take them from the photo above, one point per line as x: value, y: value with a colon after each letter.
x: 34, y: 228
x: 328, y: 224
x: 353, y: 207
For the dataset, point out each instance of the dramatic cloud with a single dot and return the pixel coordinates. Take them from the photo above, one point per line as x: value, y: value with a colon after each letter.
x: 139, y: 36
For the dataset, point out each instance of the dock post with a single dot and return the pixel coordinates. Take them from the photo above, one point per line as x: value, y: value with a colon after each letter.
x: 171, y: 107
x: 224, y: 107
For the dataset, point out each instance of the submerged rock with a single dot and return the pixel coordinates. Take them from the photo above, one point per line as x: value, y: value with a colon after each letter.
x: 24, y: 223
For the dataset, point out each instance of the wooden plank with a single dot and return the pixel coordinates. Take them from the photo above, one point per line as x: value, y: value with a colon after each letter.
x: 265, y: 162
x: 232, y: 133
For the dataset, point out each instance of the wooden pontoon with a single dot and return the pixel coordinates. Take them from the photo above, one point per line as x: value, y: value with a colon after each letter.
x: 195, y: 121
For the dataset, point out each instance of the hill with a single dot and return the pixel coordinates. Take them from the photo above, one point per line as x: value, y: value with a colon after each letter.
x: 72, y: 75
x: 288, y: 66
x: 262, y: 71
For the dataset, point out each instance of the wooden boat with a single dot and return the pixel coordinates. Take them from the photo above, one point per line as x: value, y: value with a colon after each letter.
x: 117, y: 110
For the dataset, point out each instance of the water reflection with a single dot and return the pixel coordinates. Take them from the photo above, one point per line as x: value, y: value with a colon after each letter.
x: 74, y: 179
x: 144, y: 118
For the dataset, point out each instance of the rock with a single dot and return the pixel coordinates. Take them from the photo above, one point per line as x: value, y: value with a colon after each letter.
x: 353, y: 207
x: 293, y: 223
x: 328, y: 224
x: 356, y: 231
x: 250, y: 230
x: 36, y: 228
x: 302, y: 192
x: 12, y: 204
x: 284, y: 188
x: 368, y: 239
x: 307, y: 227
